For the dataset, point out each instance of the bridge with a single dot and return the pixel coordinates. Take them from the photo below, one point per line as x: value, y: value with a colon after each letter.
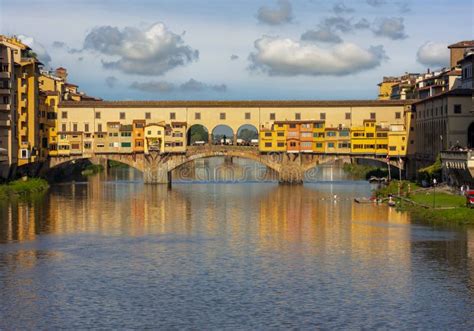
x: 157, y: 167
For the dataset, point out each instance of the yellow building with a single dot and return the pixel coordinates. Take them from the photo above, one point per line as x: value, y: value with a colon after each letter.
x: 397, y: 141
x: 363, y: 138
x: 154, y: 138
x: 319, y: 137
x: 385, y: 87
x: 138, y: 135
x: 175, y: 137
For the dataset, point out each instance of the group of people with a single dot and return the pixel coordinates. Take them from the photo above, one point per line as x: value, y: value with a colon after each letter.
x: 464, y: 189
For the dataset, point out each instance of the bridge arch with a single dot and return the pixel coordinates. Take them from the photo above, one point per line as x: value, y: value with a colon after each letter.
x: 128, y: 159
x: 247, y: 132
x: 220, y: 131
x: 197, y: 132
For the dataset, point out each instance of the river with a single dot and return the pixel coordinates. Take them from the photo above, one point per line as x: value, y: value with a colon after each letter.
x: 114, y: 253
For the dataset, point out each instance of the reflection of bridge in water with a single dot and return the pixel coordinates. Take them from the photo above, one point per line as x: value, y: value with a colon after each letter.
x: 157, y: 167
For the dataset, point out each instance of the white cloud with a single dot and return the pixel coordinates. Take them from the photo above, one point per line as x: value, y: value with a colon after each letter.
x: 390, y: 27
x: 152, y: 51
x: 286, y: 57
x: 433, y: 54
x: 191, y: 85
x: 323, y: 35
x: 38, y: 49
x: 275, y: 16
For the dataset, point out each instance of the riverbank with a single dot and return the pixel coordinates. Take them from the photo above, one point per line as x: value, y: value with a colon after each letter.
x: 360, y: 171
x: 23, y: 187
x: 427, y: 204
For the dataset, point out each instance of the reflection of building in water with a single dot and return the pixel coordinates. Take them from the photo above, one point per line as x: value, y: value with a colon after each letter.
x: 222, y: 169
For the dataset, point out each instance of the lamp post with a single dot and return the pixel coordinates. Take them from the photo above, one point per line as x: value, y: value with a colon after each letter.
x: 434, y: 193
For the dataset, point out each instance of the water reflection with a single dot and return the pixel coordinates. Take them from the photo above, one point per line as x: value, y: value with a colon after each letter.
x: 227, y: 255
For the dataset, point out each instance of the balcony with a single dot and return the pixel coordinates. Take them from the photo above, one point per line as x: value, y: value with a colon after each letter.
x: 4, y: 107
x: 5, y: 74
x: 5, y: 91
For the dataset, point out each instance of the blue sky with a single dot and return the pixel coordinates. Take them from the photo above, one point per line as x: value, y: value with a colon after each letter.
x: 227, y: 50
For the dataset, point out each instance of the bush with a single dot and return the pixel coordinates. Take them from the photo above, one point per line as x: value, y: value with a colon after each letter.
x: 22, y: 187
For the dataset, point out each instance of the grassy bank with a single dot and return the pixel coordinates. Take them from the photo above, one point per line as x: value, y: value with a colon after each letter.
x: 424, y: 204
x: 23, y: 187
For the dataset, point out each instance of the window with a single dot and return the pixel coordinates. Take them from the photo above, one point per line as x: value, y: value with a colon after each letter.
x: 348, y: 116
x: 99, y: 127
x: 319, y: 145
x: 172, y: 116
x: 281, y: 144
x: 268, y: 144
x: 268, y: 134
x: 457, y: 109
x: 344, y: 133
x: 122, y: 115
x: 370, y: 135
x: 292, y: 126
x: 330, y: 145
x: 322, y: 116
x: 306, y: 134
x: 393, y: 148
x: 87, y: 145
x: 126, y: 144
x: 138, y: 143
x: 74, y: 127
x: 64, y: 114
x: 97, y: 115
x: 381, y: 135
x: 292, y: 144
x: 318, y: 125
x: 297, y: 116
x: 247, y: 116
x: 398, y: 115
x: 75, y: 146
x: 331, y: 133
x: 197, y: 116
x: 272, y: 116
x: 373, y: 116
x: 147, y: 115
x: 222, y: 116
x: 280, y: 134
x: 306, y: 144
x: 126, y: 134
x: 63, y: 127
x: 149, y: 132
x: 86, y: 127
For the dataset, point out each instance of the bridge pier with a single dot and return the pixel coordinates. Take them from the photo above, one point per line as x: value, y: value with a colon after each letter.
x: 291, y: 175
x: 159, y: 175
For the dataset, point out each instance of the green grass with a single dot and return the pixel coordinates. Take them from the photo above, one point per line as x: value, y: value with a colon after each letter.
x: 455, y: 212
x: 23, y: 187
x: 406, y: 188
x: 441, y: 199
x: 459, y: 215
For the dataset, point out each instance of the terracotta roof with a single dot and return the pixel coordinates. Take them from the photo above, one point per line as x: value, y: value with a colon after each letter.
x: 462, y: 44
x: 241, y: 103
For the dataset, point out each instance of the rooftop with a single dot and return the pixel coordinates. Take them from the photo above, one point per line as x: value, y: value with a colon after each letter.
x: 462, y: 44
x: 236, y: 103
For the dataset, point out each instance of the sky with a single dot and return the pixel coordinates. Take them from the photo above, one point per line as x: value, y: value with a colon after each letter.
x: 233, y: 50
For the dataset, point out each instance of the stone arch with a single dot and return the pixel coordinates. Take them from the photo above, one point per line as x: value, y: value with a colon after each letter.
x: 221, y: 130
x: 133, y: 161
x: 247, y: 132
x: 201, y: 131
x: 470, y: 135
x: 238, y: 154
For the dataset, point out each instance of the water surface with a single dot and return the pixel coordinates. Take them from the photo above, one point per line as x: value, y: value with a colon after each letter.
x: 114, y: 253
